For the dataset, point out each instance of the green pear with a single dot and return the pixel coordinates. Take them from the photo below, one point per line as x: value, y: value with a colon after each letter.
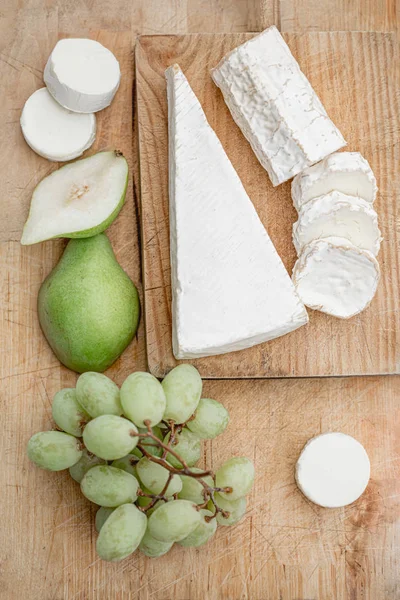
x: 79, y: 200
x: 88, y: 307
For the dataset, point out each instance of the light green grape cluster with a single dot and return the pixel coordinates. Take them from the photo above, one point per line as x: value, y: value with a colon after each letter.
x: 133, y: 451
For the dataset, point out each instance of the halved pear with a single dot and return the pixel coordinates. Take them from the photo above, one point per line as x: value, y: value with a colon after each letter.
x: 79, y: 200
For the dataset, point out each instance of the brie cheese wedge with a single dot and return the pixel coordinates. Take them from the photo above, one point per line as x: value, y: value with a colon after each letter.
x: 334, y: 276
x: 53, y: 131
x: 275, y: 106
x: 82, y: 75
x: 333, y: 470
x: 346, y: 172
x: 230, y: 289
x: 336, y: 214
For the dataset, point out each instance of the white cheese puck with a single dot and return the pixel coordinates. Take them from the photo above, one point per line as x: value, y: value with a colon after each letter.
x: 82, y: 75
x: 337, y: 214
x: 53, y: 131
x: 346, y: 172
x: 334, y: 276
x: 333, y: 470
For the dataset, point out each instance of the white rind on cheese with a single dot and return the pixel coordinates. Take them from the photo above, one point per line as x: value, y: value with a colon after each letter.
x: 346, y: 172
x: 333, y: 470
x: 53, y: 131
x: 275, y: 106
x: 336, y: 214
x: 82, y: 75
x: 230, y: 289
x: 335, y: 277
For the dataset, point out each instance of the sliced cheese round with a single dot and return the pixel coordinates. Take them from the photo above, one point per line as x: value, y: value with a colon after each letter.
x: 53, y: 131
x: 337, y: 214
x: 333, y: 470
x: 82, y: 75
x: 346, y: 172
x: 334, y: 276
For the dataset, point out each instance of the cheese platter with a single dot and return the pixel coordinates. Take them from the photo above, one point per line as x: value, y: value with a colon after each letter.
x: 206, y: 265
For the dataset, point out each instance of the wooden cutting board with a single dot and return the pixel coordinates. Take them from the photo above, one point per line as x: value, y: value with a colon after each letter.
x: 356, y: 77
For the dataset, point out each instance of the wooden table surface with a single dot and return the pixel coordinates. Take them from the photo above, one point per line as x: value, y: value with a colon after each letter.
x: 286, y: 548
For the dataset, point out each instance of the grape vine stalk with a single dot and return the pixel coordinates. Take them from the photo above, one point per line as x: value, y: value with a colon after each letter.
x: 208, y: 491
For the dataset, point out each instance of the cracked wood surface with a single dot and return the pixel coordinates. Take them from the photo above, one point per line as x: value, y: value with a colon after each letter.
x: 286, y: 548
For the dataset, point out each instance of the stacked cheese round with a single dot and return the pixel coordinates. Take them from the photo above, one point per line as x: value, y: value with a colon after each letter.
x: 336, y: 236
x: 82, y: 77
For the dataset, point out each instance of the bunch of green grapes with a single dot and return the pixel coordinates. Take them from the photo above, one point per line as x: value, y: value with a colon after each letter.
x: 133, y: 451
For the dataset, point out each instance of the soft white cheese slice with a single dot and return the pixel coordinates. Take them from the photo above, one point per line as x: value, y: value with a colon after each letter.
x: 275, y: 106
x: 82, y: 75
x: 53, y: 131
x: 333, y: 470
x: 337, y: 214
x: 346, y: 172
x: 230, y: 289
x: 334, y: 276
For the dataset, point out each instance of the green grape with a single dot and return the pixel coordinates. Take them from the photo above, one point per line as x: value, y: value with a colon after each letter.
x: 236, y: 509
x: 109, y: 487
x: 187, y: 445
x: 68, y: 413
x: 174, y: 521
x: 101, y: 517
x: 122, y: 532
x: 86, y: 462
x: 143, y: 398
x: 54, y: 450
x: 210, y: 419
x: 110, y: 437
x: 154, y: 477
x: 153, y: 450
x: 203, y: 532
x: 98, y: 395
x: 126, y: 463
x: 192, y: 489
x: 152, y: 547
x: 237, y: 473
x: 182, y: 387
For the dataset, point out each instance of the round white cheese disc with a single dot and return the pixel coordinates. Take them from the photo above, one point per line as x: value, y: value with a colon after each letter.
x: 82, y: 75
x: 54, y: 132
x: 346, y: 172
x: 334, y: 276
x: 337, y: 214
x: 333, y: 470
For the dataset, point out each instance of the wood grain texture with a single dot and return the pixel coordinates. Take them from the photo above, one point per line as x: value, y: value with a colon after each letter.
x: 346, y: 15
x: 285, y: 548
x: 354, y: 75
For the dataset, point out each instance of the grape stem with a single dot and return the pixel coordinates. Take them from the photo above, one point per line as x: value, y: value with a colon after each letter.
x: 208, y: 491
x: 156, y: 497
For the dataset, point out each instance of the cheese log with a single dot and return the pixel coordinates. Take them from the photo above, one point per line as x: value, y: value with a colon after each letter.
x: 346, y: 172
x: 333, y: 470
x: 334, y: 276
x: 336, y: 214
x: 230, y: 289
x: 275, y: 106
